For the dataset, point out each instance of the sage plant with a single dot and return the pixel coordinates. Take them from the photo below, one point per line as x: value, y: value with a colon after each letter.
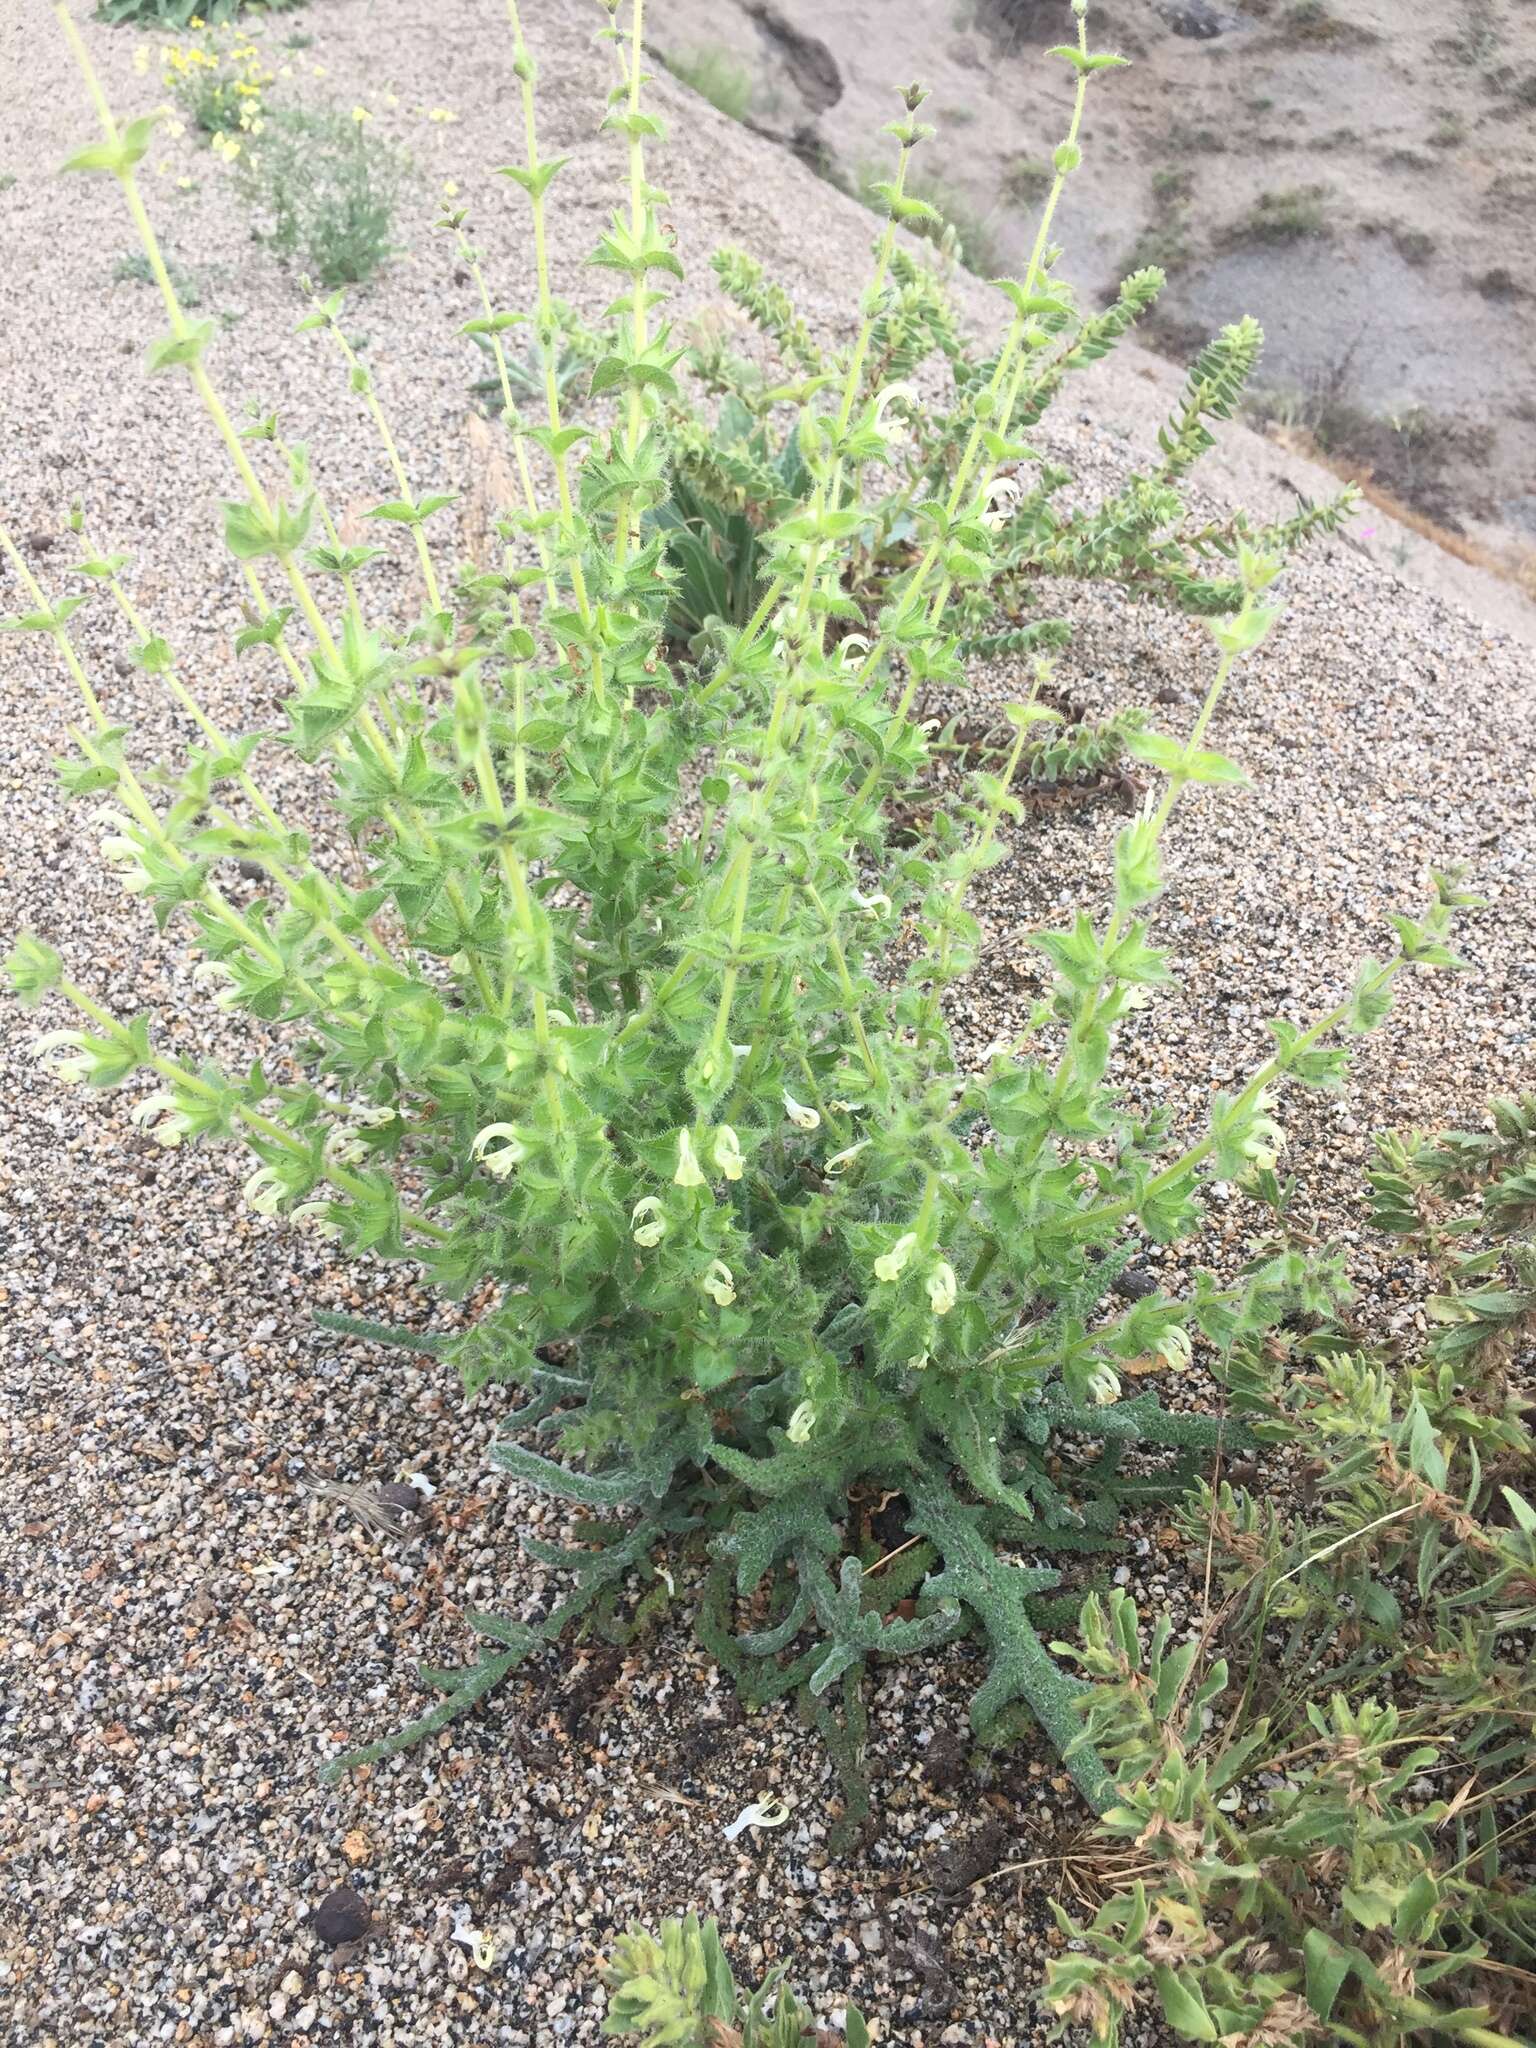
x: 639, y: 1020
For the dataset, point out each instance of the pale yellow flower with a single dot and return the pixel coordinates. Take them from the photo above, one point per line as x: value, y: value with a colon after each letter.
x: 1103, y: 1386
x: 889, y: 1266
x: 1174, y: 1348
x: 719, y: 1285
x: 727, y: 1152
x: 689, y: 1174
x: 647, y: 1224
x: 943, y: 1288
x: 498, y: 1148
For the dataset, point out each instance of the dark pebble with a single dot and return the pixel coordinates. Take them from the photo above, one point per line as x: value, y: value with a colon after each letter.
x: 343, y: 1916
x: 1135, y: 1284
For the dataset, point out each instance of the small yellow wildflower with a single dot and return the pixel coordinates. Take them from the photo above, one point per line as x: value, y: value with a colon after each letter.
x: 719, y: 1284
x: 441, y: 114
x: 890, y: 1265
x: 141, y: 59
x: 689, y: 1174
x: 450, y: 188
x: 361, y: 114
x: 943, y: 1288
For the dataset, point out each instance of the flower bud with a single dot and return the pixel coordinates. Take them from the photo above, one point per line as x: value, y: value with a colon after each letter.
x: 801, y: 1423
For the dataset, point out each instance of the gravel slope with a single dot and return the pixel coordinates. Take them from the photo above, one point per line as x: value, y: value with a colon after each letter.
x: 188, y: 1629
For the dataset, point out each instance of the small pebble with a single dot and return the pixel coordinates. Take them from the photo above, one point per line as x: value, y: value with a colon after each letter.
x: 342, y: 1916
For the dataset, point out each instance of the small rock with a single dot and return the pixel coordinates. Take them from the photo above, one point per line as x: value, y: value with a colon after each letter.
x: 1197, y: 20
x: 342, y: 1916
x: 1135, y: 1284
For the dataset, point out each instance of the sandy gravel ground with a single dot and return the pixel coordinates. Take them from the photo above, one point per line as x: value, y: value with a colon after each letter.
x: 187, y: 1628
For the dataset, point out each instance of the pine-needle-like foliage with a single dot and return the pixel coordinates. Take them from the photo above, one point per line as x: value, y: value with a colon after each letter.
x: 607, y: 1036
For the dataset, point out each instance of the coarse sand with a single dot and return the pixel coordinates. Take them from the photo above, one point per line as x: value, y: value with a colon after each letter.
x: 192, y: 1620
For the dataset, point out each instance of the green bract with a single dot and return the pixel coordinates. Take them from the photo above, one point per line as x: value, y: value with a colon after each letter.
x: 611, y: 1024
